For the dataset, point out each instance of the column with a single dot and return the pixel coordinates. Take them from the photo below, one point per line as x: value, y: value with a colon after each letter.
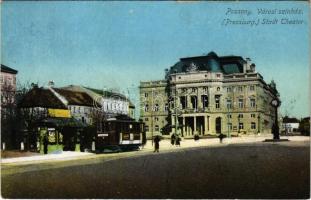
x: 205, y: 124
x: 173, y: 123
x: 194, y: 125
x: 184, y: 126
x: 208, y: 123
x: 188, y: 97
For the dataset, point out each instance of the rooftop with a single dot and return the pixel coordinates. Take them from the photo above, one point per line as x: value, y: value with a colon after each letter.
x: 8, y: 69
x: 41, y: 97
x: 210, y: 62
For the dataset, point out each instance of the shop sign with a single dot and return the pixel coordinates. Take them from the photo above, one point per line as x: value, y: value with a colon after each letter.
x: 102, y: 135
x: 59, y: 113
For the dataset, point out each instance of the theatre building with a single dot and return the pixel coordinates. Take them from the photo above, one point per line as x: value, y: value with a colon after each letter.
x: 208, y: 95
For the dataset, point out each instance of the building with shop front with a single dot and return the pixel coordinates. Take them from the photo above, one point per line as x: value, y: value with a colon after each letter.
x: 208, y: 95
x: 67, y: 115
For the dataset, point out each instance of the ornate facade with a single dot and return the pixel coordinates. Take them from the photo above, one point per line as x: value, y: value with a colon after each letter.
x: 208, y: 95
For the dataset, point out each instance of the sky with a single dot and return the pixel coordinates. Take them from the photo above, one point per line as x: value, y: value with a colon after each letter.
x: 116, y: 45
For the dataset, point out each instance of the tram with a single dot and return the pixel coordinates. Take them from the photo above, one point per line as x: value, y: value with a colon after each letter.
x: 119, y: 134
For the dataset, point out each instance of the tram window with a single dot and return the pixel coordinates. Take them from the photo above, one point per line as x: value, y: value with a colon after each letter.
x: 136, y: 136
x: 125, y: 136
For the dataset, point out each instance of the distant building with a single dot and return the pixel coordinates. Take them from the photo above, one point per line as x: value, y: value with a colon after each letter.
x: 8, y: 85
x: 290, y: 125
x: 8, y: 106
x: 81, y: 102
x: 67, y: 115
x: 208, y: 95
x: 110, y: 103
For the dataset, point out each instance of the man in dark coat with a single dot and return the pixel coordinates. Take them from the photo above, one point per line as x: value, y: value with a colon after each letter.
x: 45, y: 144
x: 178, y: 141
x: 221, y: 137
x: 173, y: 139
x: 156, y: 144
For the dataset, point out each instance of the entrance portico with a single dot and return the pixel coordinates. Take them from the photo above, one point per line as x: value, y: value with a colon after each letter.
x: 194, y: 124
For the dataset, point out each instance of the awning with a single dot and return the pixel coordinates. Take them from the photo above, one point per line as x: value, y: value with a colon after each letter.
x: 61, y: 122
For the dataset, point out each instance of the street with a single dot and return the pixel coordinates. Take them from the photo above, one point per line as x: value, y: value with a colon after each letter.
x: 256, y: 170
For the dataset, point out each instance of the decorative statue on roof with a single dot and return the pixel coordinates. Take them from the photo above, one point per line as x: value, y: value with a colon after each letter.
x: 192, y: 67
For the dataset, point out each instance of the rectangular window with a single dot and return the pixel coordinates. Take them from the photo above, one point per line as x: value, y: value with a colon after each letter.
x: 253, y: 125
x: 146, y: 94
x: 253, y: 103
x: 156, y: 128
x: 146, y: 108
x: 241, y: 126
x: 146, y: 119
x: 229, y: 103
x: 229, y: 89
x: 252, y: 88
x: 230, y: 126
x: 240, y: 116
x: 241, y: 103
x: 194, y: 102
x: 217, y: 101
x: 253, y: 115
x: 204, y: 99
x: 183, y: 102
x: 146, y: 128
x: 166, y: 107
x: 240, y: 89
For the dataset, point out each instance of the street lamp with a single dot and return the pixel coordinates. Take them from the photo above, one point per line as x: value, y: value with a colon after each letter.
x: 228, y: 116
x: 275, y: 127
x: 239, y: 123
x: 258, y: 123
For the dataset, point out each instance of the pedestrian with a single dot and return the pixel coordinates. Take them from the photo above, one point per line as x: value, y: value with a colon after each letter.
x: 156, y: 143
x: 144, y: 140
x: 196, y: 137
x: 221, y: 137
x: 173, y: 138
x: 45, y: 144
x: 178, y: 141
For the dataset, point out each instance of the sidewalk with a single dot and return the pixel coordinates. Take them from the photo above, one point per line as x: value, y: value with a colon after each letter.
x: 165, y: 145
x: 64, y: 155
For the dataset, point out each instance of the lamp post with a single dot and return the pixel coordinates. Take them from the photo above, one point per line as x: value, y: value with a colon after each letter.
x: 258, y: 123
x: 228, y: 118
x: 239, y: 123
x: 275, y: 128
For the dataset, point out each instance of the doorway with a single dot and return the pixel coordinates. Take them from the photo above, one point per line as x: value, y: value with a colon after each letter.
x: 218, y: 125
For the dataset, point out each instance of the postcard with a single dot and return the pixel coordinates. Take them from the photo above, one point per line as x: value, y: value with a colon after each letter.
x: 155, y: 100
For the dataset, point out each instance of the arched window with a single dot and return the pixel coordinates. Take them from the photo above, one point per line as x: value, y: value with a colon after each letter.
x: 146, y: 108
